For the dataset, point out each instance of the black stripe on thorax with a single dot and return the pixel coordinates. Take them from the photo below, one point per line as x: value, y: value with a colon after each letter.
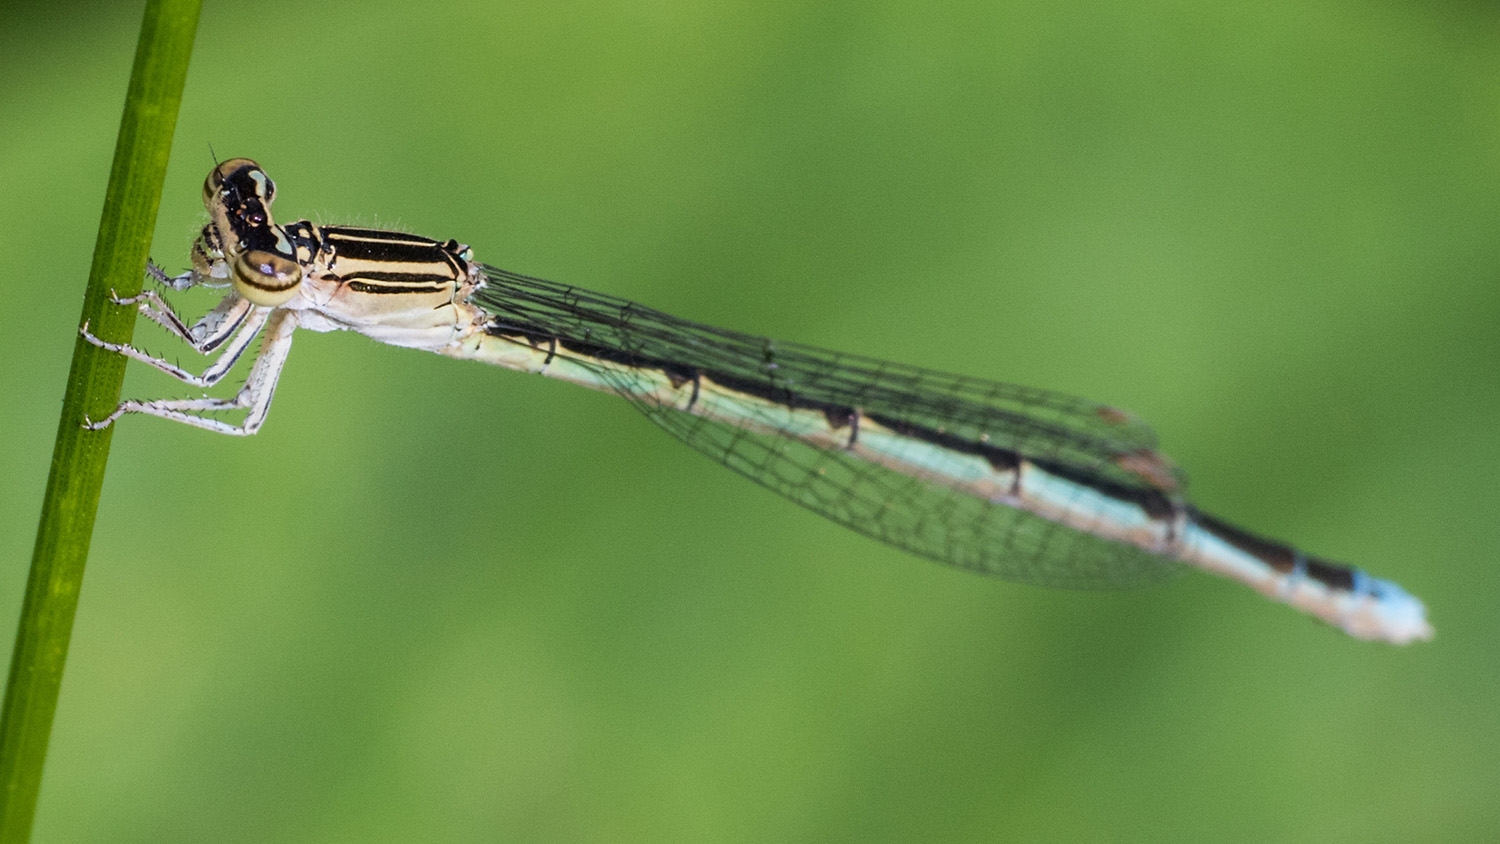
x: 351, y: 234
x: 416, y: 284
x: 392, y: 247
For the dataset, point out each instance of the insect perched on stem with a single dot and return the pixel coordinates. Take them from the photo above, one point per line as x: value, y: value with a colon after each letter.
x: 1025, y: 484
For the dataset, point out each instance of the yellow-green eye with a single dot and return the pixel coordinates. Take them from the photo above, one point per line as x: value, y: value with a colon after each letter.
x: 265, y: 278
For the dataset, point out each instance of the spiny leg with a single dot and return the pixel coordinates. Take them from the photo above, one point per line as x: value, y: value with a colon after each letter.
x: 152, y: 306
x: 176, y: 282
x: 254, y: 397
x: 191, y: 278
x: 249, y: 322
x: 205, y: 335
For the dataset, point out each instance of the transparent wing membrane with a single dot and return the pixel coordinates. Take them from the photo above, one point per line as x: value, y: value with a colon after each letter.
x: 923, y: 514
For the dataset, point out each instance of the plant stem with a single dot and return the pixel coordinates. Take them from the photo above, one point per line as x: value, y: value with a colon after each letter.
x: 93, y: 388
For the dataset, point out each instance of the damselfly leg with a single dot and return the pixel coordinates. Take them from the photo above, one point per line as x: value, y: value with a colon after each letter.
x: 254, y: 397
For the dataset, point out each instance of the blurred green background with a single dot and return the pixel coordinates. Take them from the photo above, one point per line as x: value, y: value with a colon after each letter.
x: 436, y: 601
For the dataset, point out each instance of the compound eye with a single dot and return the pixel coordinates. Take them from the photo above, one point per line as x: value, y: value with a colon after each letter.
x: 222, y: 173
x: 265, y: 278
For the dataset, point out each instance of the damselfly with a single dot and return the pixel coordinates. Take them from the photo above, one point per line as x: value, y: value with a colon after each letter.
x: 1025, y: 484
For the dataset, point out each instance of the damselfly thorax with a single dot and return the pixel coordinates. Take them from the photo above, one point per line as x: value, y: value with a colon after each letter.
x: 1026, y: 484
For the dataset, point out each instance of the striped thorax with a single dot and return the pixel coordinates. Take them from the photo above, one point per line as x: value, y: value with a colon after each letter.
x: 400, y: 289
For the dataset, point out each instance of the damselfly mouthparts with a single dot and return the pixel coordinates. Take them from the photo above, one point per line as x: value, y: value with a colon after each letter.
x: 1025, y: 484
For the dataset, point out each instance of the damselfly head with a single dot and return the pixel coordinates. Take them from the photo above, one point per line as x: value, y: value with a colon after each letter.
x: 236, y: 181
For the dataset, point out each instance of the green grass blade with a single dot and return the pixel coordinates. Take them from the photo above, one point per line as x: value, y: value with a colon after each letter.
x: 78, y: 459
